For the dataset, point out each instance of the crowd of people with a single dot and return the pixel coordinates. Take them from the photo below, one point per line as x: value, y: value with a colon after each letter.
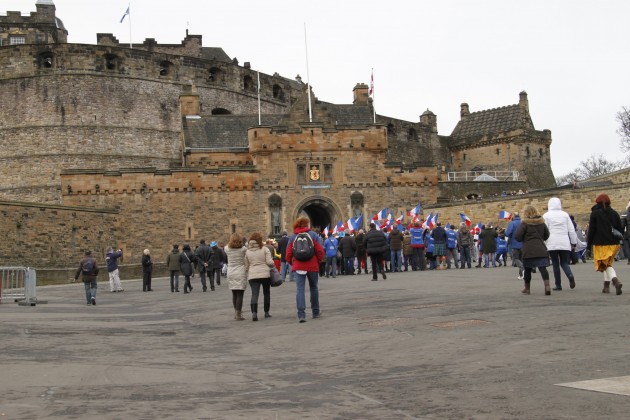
x: 531, y: 244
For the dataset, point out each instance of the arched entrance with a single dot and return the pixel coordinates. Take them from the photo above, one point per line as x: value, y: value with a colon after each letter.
x: 320, y: 210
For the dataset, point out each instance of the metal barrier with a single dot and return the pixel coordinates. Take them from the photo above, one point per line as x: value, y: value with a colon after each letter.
x: 18, y: 284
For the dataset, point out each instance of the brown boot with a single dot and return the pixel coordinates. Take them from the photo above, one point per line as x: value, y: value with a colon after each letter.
x: 547, y: 288
x: 239, y: 316
x: 525, y: 291
x: 617, y: 284
x: 606, y: 288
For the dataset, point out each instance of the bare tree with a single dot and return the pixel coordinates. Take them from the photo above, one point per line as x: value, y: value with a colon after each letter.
x: 623, y: 117
x: 595, y: 165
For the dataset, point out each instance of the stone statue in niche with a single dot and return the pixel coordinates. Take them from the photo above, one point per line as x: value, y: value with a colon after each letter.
x: 275, y: 220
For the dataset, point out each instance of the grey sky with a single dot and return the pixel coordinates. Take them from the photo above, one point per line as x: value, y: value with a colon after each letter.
x: 571, y: 56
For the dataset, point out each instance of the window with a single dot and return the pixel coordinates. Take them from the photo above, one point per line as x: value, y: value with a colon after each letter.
x: 391, y: 131
x: 328, y: 177
x: 248, y: 83
x: 213, y: 74
x: 301, y: 174
x: 165, y: 68
x: 278, y: 93
x: 46, y: 60
x: 220, y: 111
x: 110, y: 61
x: 17, y: 40
x: 412, y: 135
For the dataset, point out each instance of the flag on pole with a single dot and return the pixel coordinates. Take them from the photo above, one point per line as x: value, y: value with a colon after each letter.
x: 350, y: 225
x: 400, y: 218
x: 427, y: 223
x: 358, y: 222
x: 326, y: 230
x: 414, y: 211
x: 125, y: 15
x: 477, y: 229
x: 505, y: 215
x: 371, y: 91
x: 434, y: 220
x: 380, y: 215
x: 465, y: 219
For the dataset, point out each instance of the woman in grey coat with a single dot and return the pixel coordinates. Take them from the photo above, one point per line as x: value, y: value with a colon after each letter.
x: 236, y: 273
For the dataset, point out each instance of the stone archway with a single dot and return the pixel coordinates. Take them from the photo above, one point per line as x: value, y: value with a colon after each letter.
x: 322, y: 211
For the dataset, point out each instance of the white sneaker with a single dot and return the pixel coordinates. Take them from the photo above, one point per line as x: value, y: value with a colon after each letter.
x: 520, y: 277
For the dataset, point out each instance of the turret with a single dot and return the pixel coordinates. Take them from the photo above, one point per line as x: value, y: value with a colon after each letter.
x: 428, y: 118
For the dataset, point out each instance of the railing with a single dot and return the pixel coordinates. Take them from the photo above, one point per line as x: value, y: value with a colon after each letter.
x: 483, y: 176
x: 18, y: 284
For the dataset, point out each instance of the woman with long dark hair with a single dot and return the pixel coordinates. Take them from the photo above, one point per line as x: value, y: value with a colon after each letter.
x: 602, y: 242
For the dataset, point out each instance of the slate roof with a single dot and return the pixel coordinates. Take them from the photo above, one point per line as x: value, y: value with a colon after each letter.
x: 493, y: 121
x: 222, y: 131
x: 215, y: 53
x: 349, y: 114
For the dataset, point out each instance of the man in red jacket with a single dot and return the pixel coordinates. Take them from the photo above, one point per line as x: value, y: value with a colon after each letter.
x: 303, y: 270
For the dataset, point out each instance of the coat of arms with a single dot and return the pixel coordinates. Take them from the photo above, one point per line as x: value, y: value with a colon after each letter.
x: 314, y: 173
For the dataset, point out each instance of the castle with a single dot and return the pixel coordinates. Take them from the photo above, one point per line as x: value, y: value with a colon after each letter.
x: 170, y: 143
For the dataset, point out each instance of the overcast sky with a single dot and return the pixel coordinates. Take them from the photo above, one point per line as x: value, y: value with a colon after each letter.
x: 571, y: 56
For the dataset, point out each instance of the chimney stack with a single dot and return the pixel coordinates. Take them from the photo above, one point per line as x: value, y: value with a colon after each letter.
x: 464, y: 110
x: 522, y: 100
x: 361, y: 95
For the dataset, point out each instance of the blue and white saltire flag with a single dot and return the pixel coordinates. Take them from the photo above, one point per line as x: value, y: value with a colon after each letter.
x: 125, y: 15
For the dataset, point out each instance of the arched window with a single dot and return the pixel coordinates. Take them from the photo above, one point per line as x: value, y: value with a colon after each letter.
x: 412, y: 135
x: 46, y: 60
x: 391, y: 130
x: 220, y: 111
x: 248, y: 83
x: 275, y: 210
x: 165, y: 68
x: 213, y: 74
x: 111, y: 61
x: 278, y: 93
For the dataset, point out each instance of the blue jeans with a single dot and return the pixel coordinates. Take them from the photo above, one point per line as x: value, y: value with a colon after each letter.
x: 408, y: 261
x: 489, y: 259
x: 560, y: 258
x: 451, y: 257
x: 285, y: 269
x: 464, y: 255
x: 300, y: 300
x: 331, y: 262
x: 396, y: 260
x: 348, y: 265
x: 90, y: 290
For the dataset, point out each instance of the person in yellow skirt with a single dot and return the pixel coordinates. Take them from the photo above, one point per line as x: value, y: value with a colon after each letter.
x: 602, y: 242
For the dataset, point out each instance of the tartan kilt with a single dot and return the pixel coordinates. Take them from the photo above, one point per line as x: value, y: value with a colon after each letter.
x: 439, y: 249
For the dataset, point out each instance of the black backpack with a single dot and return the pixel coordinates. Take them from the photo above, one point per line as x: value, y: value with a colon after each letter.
x: 88, y: 266
x: 303, y: 247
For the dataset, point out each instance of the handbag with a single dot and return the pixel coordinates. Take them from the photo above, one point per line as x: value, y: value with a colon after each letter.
x: 616, y: 234
x: 275, y: 277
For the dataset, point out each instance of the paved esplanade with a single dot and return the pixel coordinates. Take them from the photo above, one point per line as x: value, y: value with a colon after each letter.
x: 446, y: 344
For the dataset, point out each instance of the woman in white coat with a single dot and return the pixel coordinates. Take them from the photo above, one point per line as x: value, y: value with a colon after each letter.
x: 236, y: 273
x: 562, y: 238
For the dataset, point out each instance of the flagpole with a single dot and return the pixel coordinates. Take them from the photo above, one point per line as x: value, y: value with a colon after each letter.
x: 259, y: 117
x: 308, y: 83
x: 373, y: 95
x: 129, y: 8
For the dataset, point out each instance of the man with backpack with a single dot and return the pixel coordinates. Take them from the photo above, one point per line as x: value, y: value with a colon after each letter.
x: 89, y: 270
x: 304, y: 253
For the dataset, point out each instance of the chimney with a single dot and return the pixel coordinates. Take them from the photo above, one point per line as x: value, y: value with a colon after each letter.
x: 360, y: 92
x: 189, y: 100
x: 522, y: 100
x: 464, y: 110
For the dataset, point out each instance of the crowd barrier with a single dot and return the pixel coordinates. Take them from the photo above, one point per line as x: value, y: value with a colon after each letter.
x: 18, y: 284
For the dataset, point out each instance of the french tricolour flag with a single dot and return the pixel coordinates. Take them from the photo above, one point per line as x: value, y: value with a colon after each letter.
x: 505, y: 215
x: 350, y: 225
x: 326, y: 230
x: 381, y: 215
x: 427, y: 223
x: 465, y: 219
x: 414, y: 211
x: 399, y: 219
x: 358, y: 222
x: 477, y: 228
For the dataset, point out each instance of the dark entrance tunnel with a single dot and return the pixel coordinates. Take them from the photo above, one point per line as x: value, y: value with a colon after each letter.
x: 320, y: 218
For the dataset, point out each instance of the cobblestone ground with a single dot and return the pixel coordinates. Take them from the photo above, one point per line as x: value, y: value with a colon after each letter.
x: 448, y: 344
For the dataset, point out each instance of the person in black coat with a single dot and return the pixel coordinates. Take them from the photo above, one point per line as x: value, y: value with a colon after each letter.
x: 147, y: 269
x: 375, y: 244
x: 348, y: 248
x: 601, y: 241
x: 187, y: 260
x: 533, y: 233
